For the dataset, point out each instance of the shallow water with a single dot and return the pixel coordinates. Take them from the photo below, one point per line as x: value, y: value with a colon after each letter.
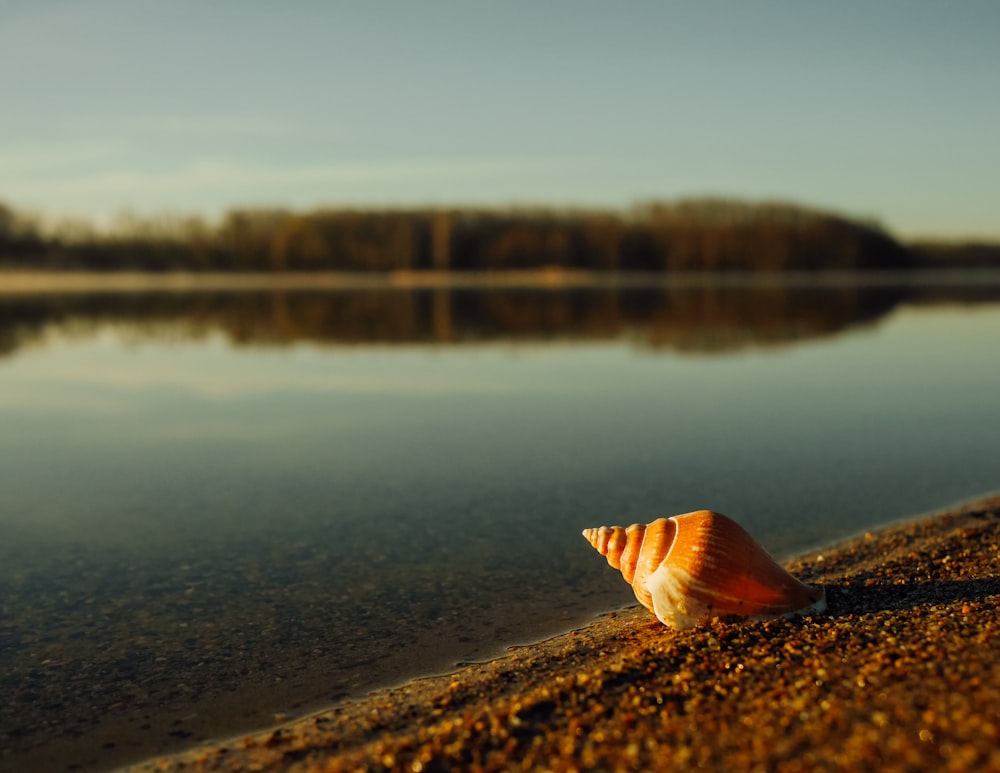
x: 222, y: 506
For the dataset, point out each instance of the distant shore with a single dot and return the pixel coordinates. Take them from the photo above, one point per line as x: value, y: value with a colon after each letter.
x: 902, y: 673
x: 706, y: 234
x: 13, y: 282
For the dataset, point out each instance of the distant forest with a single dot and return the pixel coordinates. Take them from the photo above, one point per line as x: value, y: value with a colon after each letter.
x: 691, y: 235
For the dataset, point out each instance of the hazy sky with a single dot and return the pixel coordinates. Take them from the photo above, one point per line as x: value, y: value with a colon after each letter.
x: 876, y: 108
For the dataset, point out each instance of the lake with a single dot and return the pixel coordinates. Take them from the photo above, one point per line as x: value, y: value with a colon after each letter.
x: 220, y: 508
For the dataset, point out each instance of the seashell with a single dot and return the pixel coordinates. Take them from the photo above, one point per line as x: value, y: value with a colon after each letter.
x: 698, y: 565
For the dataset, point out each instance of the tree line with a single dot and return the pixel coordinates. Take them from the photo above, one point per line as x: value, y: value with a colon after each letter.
x: 690, y: 235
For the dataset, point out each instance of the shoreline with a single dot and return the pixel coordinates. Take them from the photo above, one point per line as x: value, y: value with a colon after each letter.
x: 901, y: 673
x: 20, y: 282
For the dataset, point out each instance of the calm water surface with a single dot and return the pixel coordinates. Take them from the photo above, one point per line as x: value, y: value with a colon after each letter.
x: 219, y: 507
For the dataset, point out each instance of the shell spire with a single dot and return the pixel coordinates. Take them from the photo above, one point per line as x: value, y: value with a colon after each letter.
x: 698, y: 565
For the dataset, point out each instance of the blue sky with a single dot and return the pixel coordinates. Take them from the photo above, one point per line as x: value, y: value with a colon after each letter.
x: 880, y: 109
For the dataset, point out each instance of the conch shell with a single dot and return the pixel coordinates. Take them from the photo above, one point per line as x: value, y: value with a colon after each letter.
x: 698, y: 565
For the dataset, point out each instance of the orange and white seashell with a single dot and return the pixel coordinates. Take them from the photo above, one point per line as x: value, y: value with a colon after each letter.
x: 698, y: 565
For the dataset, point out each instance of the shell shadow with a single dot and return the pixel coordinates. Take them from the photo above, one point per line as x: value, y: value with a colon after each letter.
x: 887, y: 597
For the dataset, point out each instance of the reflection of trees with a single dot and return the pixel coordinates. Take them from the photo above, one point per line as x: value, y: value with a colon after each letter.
x: 720, y: 319
x: 707, y: 318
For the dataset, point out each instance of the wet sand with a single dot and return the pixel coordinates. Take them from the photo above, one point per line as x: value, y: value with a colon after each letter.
x: 901, y: 673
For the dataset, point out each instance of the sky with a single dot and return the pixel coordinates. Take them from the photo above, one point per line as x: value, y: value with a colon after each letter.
x: 886, y: 110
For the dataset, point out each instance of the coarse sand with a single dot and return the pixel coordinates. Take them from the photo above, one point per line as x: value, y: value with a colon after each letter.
x: 901, y: 673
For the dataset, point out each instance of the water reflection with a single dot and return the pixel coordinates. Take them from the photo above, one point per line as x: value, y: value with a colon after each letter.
x: 211, y: 514
x: 700, y: 318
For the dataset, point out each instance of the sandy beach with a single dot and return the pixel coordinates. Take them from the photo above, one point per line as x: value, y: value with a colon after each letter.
x: 901, y: 673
